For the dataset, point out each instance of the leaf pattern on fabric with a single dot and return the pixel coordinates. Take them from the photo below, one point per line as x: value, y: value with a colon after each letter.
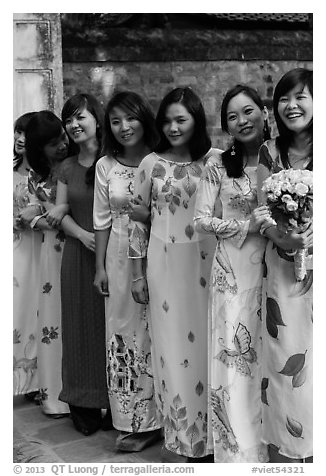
x: 192, y: 433
x: 299, y: 378
x: 179, y: 172
x: 301, y: 288
x: 47, y: 288
x: 189, y: 231
x: 199, y: 388
x: 293, y: 365
x: 142, y: 176
x: 17, y: 337
x: 191, y: 337
x: 158, y: 171
x: 294, y: 427
x: 264, y: 386
x: 49, y: 334
x: 189, y: 186
x: 273, y: 317
x: 198, y: 449
x: 195, y: 170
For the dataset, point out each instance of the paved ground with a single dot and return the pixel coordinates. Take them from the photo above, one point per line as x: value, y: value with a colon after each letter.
x: 40, y: 439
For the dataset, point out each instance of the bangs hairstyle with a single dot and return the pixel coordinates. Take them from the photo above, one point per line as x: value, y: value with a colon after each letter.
x: 133, y: 104
x: 20, y: 126
x: 200, y: 142
x: 295, y: 77
x: 234, y: 163
x: 42, y: 128
x: 73, y: 106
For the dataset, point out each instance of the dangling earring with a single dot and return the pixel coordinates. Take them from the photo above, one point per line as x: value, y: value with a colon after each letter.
x: 233, y: 150
x: 266, y: 131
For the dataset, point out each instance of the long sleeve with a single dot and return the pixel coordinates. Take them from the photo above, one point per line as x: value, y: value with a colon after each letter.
x: 205, y: 221
x: 101, y: 209
x: 138, y: 231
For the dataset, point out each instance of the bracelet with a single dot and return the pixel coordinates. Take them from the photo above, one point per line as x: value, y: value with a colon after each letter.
x: 138, y: 279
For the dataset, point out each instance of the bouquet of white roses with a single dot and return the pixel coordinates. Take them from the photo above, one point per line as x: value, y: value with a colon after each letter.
x: 290, y: 199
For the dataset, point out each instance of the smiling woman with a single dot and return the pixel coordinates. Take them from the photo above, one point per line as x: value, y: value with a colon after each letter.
x: 234, y: 326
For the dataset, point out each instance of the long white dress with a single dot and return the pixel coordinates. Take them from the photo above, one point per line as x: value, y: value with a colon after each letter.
x: 26, y: 267
x: 287, y: 346
x: 234, y: 331
x: 49, y: 339
x: 179, y: 262
x: 129, y: 368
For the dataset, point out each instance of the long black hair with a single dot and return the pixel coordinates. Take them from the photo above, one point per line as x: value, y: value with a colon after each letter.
x: 200, y: 142
x: 132, y: 103
x: 232, y: 158
x: 77, y: 103
x: 43, y: 127
x: 20, y: 126
x: 289, y: 81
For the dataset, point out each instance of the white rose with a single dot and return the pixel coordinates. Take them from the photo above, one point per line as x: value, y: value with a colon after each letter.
x: 291, y: 206
x: 301, y: 189
x: 286, y: 198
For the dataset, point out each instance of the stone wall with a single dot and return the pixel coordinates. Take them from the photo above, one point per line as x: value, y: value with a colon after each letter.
x: 152, y: 61
x: 210, y: 80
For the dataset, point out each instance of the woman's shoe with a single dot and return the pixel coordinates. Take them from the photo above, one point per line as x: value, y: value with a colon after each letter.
x: 57, y: 416
x: 107, y: 423
x: 86, y: 420
x: 204, y: 459
x: 137, y: 441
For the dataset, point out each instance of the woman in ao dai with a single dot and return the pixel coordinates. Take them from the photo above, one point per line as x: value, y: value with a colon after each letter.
x: 130, y: 135
x: 288, y: 323
x: 177, y: 272
x: 26, y: 267
x: 46, y: 147
x: 236, y: 281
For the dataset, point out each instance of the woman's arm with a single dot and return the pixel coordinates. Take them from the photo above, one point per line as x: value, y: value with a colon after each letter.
x: 101, y: 282
x: 102, y: 224
x: 69, y: 225
x: 204, y: 216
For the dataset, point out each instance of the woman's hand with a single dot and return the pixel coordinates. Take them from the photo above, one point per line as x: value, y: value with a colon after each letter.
x: 258, y: 216
x: 296, y: 239
x: 138, y: 211
x: 88, y: 239
x: 101, y: 282
x: 55, y: 215
x: 139, y: 290
x: 28, y: 214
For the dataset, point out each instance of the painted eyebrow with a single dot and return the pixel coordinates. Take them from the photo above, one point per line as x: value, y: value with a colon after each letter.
x: 244, y: 107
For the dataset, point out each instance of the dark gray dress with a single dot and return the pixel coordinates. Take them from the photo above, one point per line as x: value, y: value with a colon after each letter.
x: 83, y: 317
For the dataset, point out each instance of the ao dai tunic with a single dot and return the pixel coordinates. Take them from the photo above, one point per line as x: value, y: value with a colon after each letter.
x: 287, y: 346
x: 26, y: 274
x: 128, y: 345
x: 234, y: 314
x: 49, y: 337
x: 179, y: 261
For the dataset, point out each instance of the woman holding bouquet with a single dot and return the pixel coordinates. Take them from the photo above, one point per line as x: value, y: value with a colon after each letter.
x: 287, y: 329
x: 234, y: 417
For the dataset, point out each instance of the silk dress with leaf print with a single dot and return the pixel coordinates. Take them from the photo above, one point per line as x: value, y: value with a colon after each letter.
x: 287, y: 345
x: 49, y: 337
x: 128, y: 345
x: 179, y: 261
x: 234, y: 333
x: 26, y: 267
